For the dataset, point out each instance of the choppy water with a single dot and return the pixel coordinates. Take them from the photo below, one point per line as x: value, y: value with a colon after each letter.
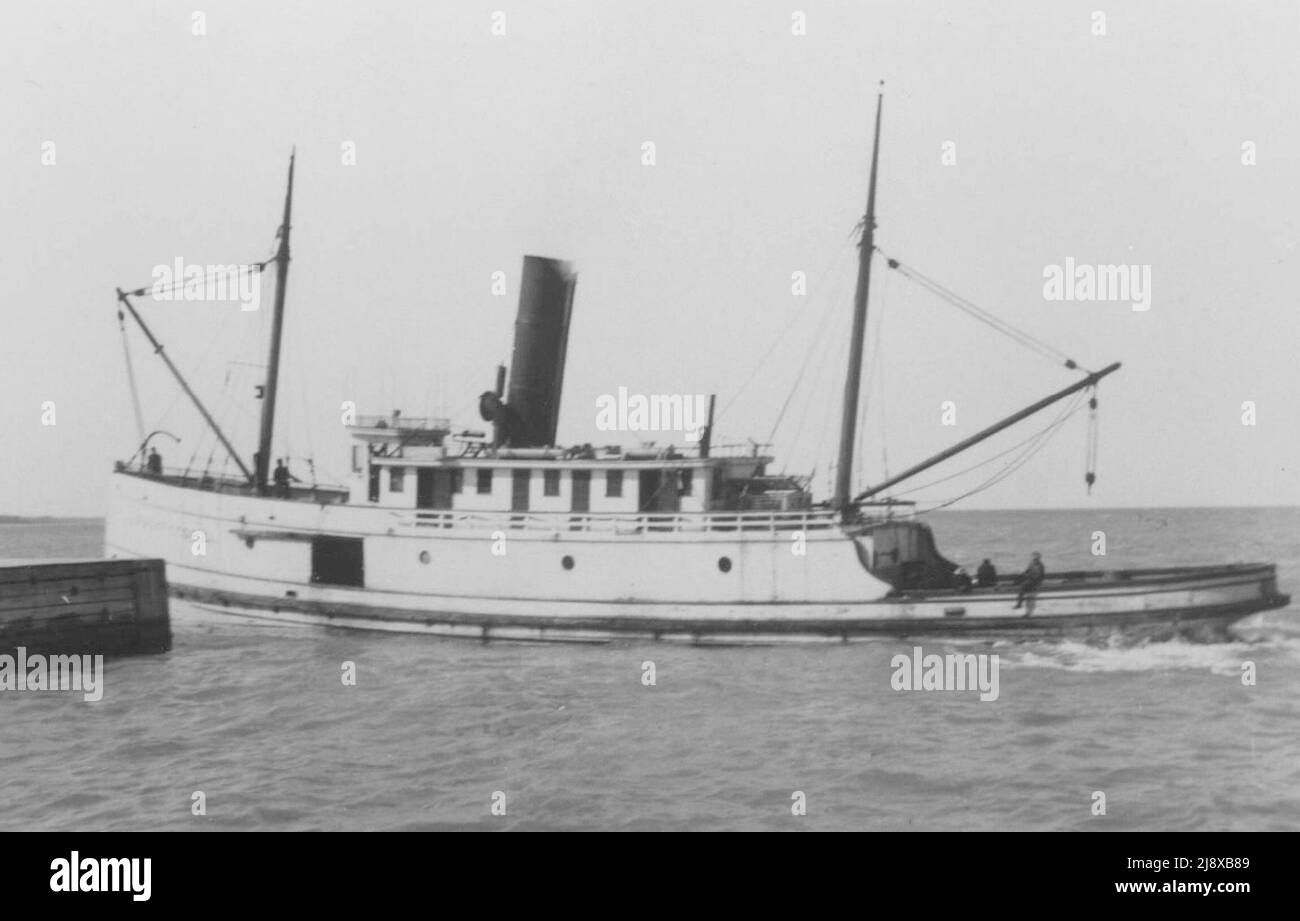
x: 258, y: 719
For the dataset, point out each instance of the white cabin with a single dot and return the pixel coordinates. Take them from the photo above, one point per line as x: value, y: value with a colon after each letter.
x: 404, y: 463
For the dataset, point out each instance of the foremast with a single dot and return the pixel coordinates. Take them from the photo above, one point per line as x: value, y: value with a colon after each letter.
x: 262, y: 459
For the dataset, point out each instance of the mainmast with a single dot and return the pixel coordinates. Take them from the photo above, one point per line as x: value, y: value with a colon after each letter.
x: 263, y: 457
x: 853, y: 380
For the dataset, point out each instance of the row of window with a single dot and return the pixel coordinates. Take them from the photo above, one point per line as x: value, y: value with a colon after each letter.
x: 724, y: 562
x: 550, y: 481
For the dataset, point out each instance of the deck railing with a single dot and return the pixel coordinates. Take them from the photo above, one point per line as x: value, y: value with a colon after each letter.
x: 645, y: 523
x: 174, y: 476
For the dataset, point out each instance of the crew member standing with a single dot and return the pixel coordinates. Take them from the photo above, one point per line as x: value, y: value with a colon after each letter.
x: 281, y: 477
x: 987, y: 575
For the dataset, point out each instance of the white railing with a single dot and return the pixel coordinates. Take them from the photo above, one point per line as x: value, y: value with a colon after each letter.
x: 646, y: 523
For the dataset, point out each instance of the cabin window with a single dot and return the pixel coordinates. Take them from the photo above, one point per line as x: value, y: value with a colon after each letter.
x: 686, y: 482
x: 550, y: 482
x: 484, y: 482
x: 613, y: 483
x: 396, y: 478
x: 356, y: 458
x: 457, y: 481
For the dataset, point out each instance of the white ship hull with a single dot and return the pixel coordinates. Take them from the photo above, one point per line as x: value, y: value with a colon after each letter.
x: 560, y: 577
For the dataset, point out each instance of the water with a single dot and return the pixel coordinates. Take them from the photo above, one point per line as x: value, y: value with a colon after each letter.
x: 258, y: 719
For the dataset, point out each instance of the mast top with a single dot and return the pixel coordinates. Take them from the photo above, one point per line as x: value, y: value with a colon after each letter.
x: 288, y: 202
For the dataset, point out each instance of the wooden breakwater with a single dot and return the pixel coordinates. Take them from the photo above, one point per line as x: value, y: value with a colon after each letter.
x: 111, y: 607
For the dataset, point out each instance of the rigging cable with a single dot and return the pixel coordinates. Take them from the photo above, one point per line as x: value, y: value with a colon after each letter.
x: 864, y: 402
x: 130, y: 375
x: 779, y: 340
x: 1041, y: 438
x: 1090, y: 475
x: 828, y: 418
x: 878, y: 365
x: 1070, y: 408
x: 210, y: 272
x: 978, y: 313
x: 813, y: 389
x: 812, y: 349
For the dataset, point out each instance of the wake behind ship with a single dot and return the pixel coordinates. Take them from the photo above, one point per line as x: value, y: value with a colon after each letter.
x: 505, y: 534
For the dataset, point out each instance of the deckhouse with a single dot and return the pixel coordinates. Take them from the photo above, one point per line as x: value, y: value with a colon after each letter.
x: 400, y: 462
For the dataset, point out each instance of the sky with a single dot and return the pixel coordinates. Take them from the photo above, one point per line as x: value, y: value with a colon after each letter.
x: 438, y: 143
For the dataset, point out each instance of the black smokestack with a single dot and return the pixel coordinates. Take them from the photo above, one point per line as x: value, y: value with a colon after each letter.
x: 541, y: 338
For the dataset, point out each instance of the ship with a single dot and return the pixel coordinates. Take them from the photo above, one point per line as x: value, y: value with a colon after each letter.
x: 503, y: 533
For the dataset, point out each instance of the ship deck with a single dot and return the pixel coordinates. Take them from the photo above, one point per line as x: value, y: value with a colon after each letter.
x: 1073, y: 581
x: 331, y: 494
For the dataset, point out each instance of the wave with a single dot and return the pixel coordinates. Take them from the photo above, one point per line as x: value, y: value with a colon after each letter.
x: 1221, y: 658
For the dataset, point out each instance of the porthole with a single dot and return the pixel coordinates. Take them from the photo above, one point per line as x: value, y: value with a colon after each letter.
x: 567, y: 562
x: 248, y: 542
x: 724, y: 563
x: 424, y: 557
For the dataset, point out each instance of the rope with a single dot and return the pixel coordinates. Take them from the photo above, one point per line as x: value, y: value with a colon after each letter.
x: 813, y: 388
x: 1090, y: 475
x: 130, y: 375
x: 1069, y: 409
x: 779, y: 340
x: 812, y: 348
x: 209, y: 272
x: 876, y: 381
x: 983, y: 316
x: 828, y: 419
x: 1042, y: 438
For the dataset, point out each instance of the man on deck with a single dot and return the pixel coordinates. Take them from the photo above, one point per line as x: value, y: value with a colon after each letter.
x: 281, y: 478
x: 154, y: 462
x: 987, y: 575
x: 1030, y: 580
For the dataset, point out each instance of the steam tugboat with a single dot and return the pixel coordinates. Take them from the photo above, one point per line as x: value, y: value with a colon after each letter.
x: 505, y: 534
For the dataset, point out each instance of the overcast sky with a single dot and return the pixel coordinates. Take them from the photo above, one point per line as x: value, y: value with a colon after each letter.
x: 472, y: 149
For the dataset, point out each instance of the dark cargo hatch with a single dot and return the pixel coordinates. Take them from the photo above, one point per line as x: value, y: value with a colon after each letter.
x: 338, y: 561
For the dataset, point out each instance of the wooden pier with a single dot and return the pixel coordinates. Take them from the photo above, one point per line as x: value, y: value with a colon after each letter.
x: 109, y: 607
